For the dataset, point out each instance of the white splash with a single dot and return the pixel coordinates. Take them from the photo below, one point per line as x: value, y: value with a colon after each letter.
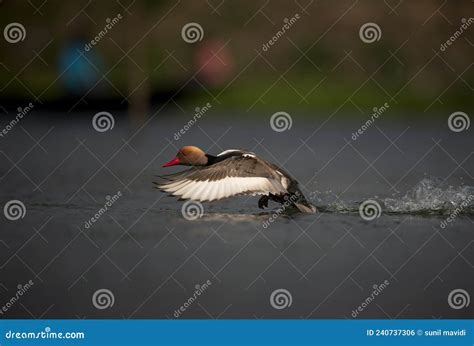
x: 430, y: 195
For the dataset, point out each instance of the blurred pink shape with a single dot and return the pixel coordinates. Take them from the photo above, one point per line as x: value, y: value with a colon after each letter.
x: 214, y: 62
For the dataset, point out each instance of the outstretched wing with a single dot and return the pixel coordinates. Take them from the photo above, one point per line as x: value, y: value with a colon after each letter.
x: 239, y: 175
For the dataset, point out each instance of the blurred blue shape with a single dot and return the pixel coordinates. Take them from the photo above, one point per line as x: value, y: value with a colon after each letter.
x: 79, y: 69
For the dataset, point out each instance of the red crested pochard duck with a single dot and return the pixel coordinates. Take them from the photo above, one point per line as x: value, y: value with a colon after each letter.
x: 231, y: 173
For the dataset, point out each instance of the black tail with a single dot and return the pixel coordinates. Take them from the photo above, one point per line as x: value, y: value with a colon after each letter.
x: 304, y: 206
x: 296, y: 200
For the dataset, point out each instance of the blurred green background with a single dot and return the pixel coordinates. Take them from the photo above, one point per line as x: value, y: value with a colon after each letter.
x: 319, y: 63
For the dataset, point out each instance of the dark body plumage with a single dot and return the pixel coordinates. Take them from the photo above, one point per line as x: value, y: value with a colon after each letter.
x: 236, y: 172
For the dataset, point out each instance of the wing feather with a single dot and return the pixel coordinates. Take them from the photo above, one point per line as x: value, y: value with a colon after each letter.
x: 234, y: 176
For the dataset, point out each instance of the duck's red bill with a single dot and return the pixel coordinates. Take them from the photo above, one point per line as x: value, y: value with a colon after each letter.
x: 173, y: 162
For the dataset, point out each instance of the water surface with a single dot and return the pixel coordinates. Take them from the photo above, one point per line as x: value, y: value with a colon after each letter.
x: 151, y: 258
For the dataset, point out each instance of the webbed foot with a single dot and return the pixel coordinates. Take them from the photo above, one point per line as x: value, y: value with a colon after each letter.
x: 263, y: 202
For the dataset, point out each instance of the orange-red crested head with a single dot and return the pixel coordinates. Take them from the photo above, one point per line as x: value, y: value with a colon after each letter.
x: 188, y: 156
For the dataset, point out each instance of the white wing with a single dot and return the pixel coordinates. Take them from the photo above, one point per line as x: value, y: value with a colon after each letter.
x: 218, y: 189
